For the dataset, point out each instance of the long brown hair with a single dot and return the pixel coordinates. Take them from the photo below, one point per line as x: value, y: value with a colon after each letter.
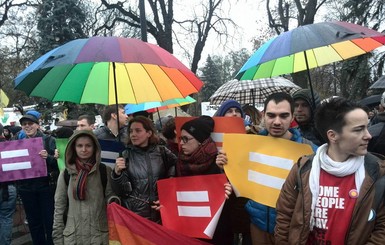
x: 148, y: 125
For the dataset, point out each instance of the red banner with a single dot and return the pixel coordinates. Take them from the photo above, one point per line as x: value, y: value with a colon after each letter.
x: 192, y: 205
x: 20, y: 159
x: 127, y: 228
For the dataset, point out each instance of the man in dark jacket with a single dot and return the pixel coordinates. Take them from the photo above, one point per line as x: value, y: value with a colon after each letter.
x: 278, y: 114
x: 304, y: 108
x: 37, y: 194
x: 377, y: 143
x: 114, y: 125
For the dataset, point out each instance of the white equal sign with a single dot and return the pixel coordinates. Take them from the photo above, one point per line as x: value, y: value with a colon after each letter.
x: 109, y: 158
x: 15, y: 165
x: 193, y: 196
x: 217, y: 138
x: 273, y: 161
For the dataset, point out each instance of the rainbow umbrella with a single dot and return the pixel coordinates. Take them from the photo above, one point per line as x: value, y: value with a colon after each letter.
x: 108, y: 70
x: 156, y: 106
x: 310, y: 46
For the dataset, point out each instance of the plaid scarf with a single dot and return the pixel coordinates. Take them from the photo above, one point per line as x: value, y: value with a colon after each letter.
x: 79, y: 191
x: 200, y: 161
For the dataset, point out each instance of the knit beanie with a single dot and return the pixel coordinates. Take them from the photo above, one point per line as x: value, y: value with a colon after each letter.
x: 226, y: 106
x: 200, y: 128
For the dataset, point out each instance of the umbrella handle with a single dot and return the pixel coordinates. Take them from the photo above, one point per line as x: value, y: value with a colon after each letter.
x: 116, y: 102
x: 309, y: 79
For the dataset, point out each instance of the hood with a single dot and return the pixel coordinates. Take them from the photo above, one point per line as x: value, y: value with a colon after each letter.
x: 70, y: 149
x: 227, y: 105
x: 305, y: 94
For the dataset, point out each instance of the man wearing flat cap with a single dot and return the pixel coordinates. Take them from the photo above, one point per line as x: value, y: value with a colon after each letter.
x: 37, y: 194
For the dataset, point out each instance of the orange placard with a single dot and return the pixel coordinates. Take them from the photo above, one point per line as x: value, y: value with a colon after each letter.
x: 223, y: 125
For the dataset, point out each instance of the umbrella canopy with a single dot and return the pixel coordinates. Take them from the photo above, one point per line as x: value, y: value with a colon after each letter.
x: 108, y: 70
x: 252, y: 91
x: 372, y: 100
x: 68, y: 123
x: 380, y: 83
x: 154, y: 106
x: 310, y: 46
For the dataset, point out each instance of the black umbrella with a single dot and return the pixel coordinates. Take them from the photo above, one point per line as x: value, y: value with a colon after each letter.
x: 380, y: 83
x: 372, y: 100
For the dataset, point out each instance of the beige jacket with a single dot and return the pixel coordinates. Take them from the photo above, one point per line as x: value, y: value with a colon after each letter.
x: 86, y: 219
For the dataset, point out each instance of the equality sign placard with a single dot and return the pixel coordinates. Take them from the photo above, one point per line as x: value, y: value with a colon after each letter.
x: 222, y: 125
x: 258, y: 169
x: 20, y: 159
x: 110, y: 151
x: 192, y: 205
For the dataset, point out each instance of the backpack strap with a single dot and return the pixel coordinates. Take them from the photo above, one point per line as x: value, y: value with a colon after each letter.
x: 66, y: 177
x: 103, y: 176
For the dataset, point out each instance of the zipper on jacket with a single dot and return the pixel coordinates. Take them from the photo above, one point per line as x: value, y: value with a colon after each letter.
x: 150, y: 182
x: 300, y: 190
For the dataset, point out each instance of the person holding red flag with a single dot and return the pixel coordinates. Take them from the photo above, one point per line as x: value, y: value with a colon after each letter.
x: 197, y: 157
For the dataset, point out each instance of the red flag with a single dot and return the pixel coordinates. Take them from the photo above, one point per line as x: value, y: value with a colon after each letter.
x: 20, y: 159
x: 127, y: 228
x: 192, y: 205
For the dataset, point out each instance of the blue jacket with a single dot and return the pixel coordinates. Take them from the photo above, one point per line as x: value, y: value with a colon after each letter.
x: 264, y: 216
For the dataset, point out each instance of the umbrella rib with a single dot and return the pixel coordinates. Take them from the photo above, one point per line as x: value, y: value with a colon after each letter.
x: 61, y: 83
x: 171, y: 79
x: 148, y: 74
x: 85, y: 82
x: 131, y: 85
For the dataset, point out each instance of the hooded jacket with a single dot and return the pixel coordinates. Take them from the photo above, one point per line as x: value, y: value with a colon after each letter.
x: 86, y: 219
x: 308, y: 130
x: 294, y: 207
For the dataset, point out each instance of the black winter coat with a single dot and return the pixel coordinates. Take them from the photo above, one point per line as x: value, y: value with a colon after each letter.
x: 136, y: 186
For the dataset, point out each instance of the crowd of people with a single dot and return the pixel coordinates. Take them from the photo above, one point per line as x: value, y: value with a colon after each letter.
x: 333, y: 196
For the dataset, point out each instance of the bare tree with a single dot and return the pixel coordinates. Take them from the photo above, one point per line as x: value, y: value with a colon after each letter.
x: 206, y: 19
x: 160, y: 22
x: 6, y: 6
x: 285, y: 12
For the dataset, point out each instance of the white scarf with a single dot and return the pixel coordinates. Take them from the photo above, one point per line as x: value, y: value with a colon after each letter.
x: 339, y: 169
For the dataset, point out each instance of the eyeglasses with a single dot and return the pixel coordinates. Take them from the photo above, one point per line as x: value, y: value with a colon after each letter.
x: 185, y: 139
x: 29, y: 123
